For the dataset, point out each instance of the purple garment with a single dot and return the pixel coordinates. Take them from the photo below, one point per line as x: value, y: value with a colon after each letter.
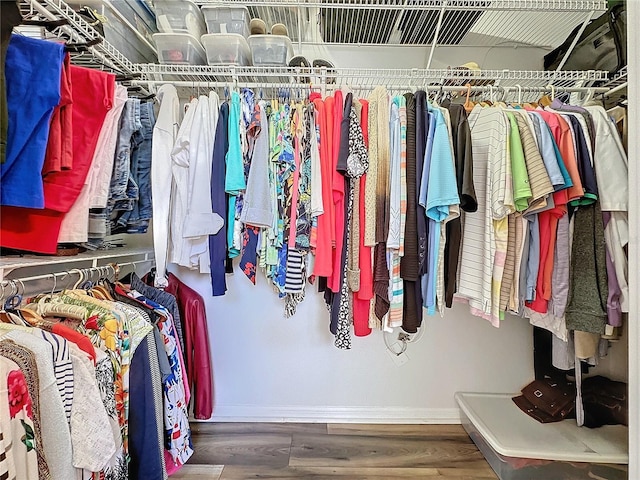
x: 565, y: 107
x: 614, y: 309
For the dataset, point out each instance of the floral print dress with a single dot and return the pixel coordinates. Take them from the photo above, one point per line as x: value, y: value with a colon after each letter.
x: 21, y: 442
x: 107, y: 331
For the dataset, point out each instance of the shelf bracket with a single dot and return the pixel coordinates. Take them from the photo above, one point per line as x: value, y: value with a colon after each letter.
x: 575, y: 39
x: 436, y: 35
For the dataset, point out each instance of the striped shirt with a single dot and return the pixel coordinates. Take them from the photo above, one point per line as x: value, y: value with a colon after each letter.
x: 62, y: 368
x: 538, y: 177
x: 488, y: 134
x: 396, y: 229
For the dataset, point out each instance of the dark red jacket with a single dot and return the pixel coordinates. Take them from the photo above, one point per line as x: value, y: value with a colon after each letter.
x: 197, y: 354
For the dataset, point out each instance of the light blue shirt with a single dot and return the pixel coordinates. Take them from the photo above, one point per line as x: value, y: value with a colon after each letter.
x: 550, y: 153
x: 533, y: 261
x: 441, y: 192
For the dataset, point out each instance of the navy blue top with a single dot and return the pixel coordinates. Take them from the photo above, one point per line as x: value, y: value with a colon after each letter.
x: 218, y: 242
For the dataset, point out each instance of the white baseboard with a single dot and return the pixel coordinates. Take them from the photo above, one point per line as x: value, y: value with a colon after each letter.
x: 283, y: 414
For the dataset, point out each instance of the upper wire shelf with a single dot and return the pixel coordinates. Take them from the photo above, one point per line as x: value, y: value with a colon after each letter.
x: 546, y: 5
x: 423, y: 22
x: 102, y: 55
x: 366, y: 77
x: 620, y: 78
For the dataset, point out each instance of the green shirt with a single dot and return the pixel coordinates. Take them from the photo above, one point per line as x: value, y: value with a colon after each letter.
x: 521, y: 188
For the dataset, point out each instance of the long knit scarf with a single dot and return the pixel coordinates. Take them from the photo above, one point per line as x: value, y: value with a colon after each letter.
x: 380, y: 302
x: 372, y: 174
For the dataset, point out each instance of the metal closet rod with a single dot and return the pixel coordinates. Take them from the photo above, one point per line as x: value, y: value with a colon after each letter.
x: 307, y: 86
x: 616, y: 89
x: 113, y: 267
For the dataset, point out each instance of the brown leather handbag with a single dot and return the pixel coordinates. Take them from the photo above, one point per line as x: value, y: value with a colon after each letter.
x: 548, y: 400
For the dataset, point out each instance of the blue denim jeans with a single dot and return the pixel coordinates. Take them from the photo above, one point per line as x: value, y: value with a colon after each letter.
x: 98, y: 228
x: 122, y: 188
x: 136, y: 219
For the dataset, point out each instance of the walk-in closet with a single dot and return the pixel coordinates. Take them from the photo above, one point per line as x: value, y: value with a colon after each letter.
x: 317, y: 239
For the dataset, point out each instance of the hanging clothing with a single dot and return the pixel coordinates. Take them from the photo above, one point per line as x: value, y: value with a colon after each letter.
x: 412, y: 306
x: 9, y: 17
x: 393, y: 238
x: 37, y: 230
x: 234, y: 176
x: 56, y: 438
x: 19, y: 443
x: 488, y: 134
x: 193, y: 219
x: 165, y: 132
x: 218, y: 241
x: 257, y: 204
x: 59, y: 154
x: 463, y: 155
x: 25, y: 360
x: 103, y: 159
x: 340, y: 152
x: 197, y: 352
x: 362, y: 298
x: 33, y: 70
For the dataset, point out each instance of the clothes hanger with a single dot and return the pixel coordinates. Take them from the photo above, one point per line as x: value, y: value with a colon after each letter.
x: 80, y: 279
x: 488, y: 103
x: 3, y: 285
x: 81, y: 47
x: 99, y: 290
x: 468, y: 104
x: 30, y: 317
x: 48, y: 24
x: 14, y: 300
x: 532, y: 105
x: 501, y: 101
x: 140, y: 93
x: 519, y: 87
x: 546, y: 100
x: 14, y: 312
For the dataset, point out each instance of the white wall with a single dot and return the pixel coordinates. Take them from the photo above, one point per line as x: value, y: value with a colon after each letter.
x: 633, y: 44
x: 488, y: 58
x: 270, y: 368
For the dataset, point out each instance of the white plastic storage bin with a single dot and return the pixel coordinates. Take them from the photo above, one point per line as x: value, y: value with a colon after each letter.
x: 179, y: 17
x: 230, y: 48
x: 520, y: 448
x: 270, y: 49
x: 227, y: 19
x: 179, y: 48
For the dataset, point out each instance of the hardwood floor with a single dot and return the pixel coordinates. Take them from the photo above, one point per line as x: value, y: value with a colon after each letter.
x: 238, y: 451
